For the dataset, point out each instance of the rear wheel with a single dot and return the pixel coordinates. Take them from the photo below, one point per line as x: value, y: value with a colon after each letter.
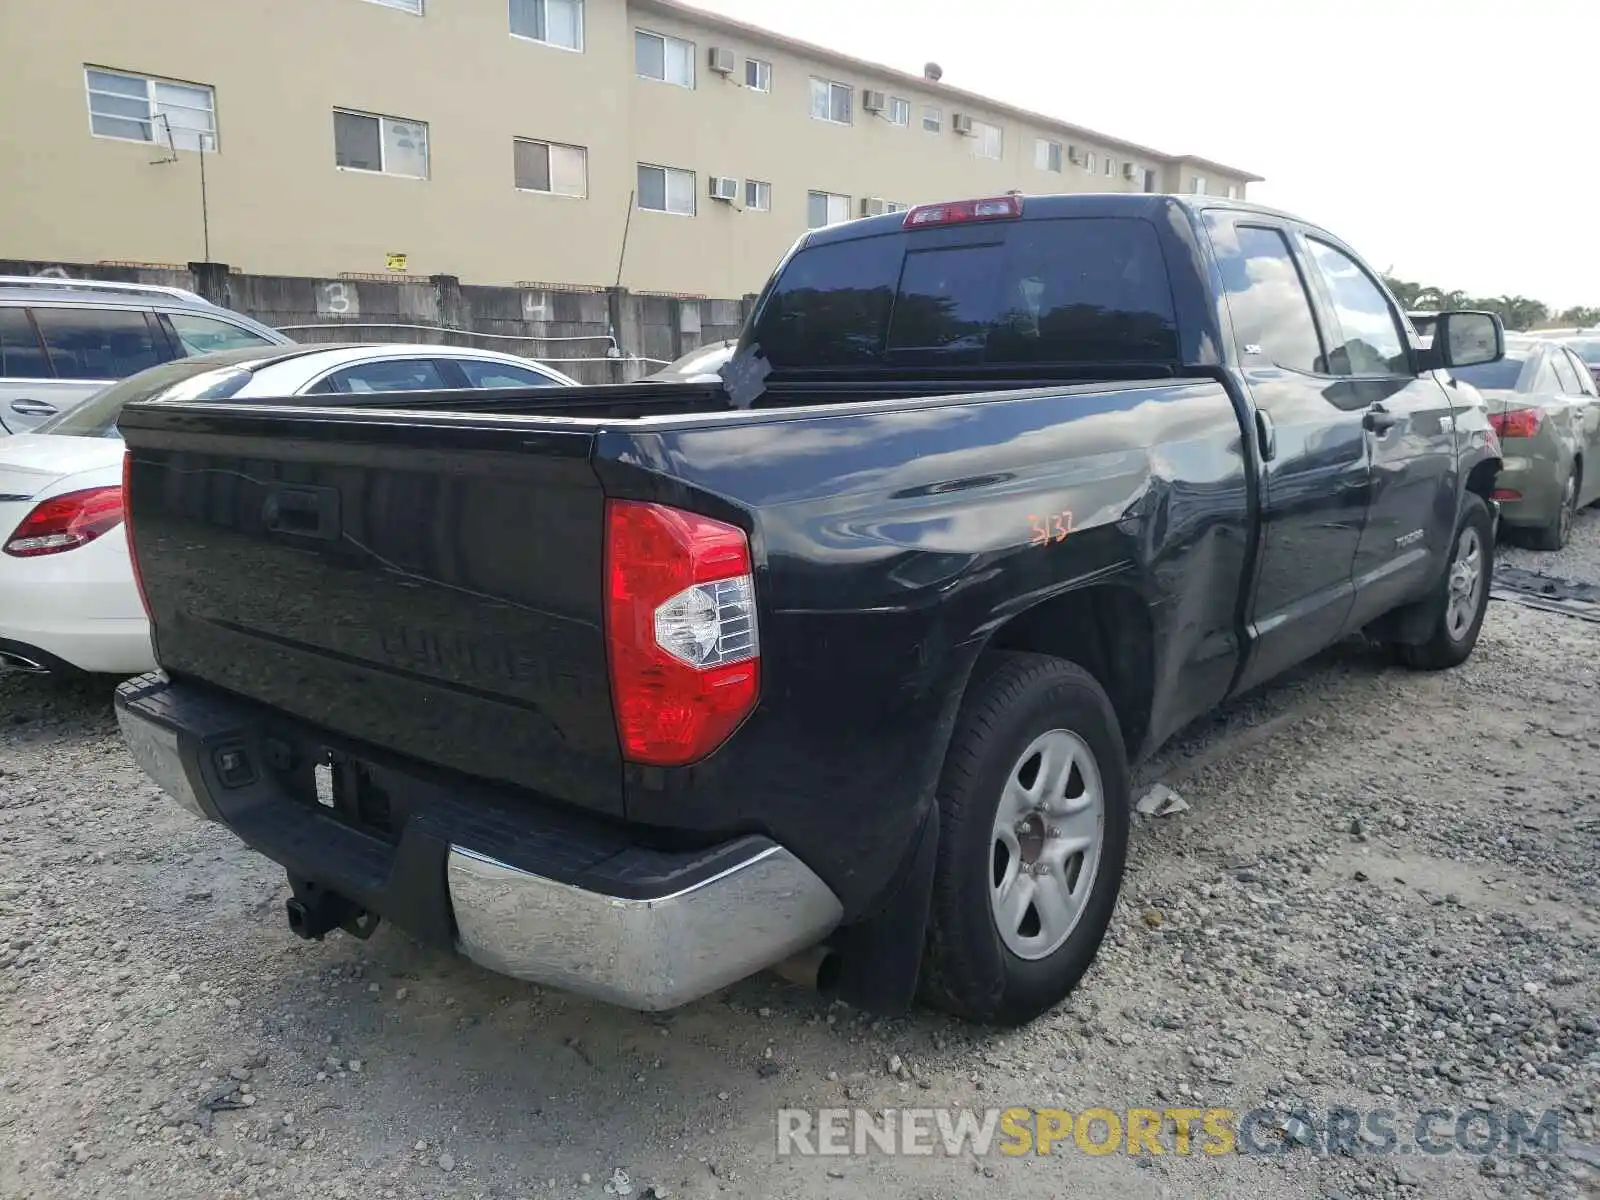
x: 1554, y: 535
x: 1033, y: 835
x: 1458, y: 605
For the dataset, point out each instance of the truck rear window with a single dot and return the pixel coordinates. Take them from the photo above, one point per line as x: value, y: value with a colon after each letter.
x: 1074, y: 290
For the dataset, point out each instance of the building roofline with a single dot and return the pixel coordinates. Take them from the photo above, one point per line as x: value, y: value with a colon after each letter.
x: 1216, y: 166
x: 690, y: 13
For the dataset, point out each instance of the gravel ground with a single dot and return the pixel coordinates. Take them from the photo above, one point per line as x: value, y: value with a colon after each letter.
x: 1383, y: 896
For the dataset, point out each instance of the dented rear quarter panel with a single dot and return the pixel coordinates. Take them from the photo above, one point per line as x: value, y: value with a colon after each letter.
x: 892, y: 542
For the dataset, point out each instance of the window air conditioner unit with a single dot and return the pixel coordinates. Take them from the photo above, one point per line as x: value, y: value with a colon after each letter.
x: 1130, y: 171
x: 962, y: 124
x: 1074, y: 155
x: 723, y: 188
x: 722, y: 60
x: 874, y: 206
x: 872, y: 101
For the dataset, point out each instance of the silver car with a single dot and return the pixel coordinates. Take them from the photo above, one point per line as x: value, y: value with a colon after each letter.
x: 1545, y: 405
x: 63, y: 340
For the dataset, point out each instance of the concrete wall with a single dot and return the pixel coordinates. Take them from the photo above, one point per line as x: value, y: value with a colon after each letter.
x: 572, y: 330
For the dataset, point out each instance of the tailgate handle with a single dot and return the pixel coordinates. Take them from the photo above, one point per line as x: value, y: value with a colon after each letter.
x: 302, y: 511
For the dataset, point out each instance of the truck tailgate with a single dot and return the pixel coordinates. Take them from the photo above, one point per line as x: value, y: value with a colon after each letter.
x: 431, y: 586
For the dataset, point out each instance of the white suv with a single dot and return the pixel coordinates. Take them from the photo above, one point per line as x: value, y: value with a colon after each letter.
x: 63, y: 340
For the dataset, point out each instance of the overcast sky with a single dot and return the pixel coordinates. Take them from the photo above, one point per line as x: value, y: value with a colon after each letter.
x: 1440, y: 139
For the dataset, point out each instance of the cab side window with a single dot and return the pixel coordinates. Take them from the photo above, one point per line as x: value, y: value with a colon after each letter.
x: 1267, y: 297
x: 1373, y: 343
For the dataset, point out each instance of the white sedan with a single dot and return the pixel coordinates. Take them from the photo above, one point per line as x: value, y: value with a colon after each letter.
x: 67, y: 596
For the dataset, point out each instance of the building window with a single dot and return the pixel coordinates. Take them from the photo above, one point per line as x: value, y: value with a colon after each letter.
x: 553, y: 22
x: 1233, y: 191
x: 1047, y: 155
x: 668, y: 59
x: 1088, y: 161
x: 551, y: 167
x: 1111, y: 165
x: 1149, y: 180
x: 757, y: 195
x: 899, y: 111
x: 1198, y: 185
x: 758, y: 74
x: 139, y: 108
x: 830, y: 101
x: 932, y: 118
x: 825, y: 208
x: 987, y: 140
x: 894, y: 206
x: 390, y: 145
x: 666, y: 190
x: 410, y: 6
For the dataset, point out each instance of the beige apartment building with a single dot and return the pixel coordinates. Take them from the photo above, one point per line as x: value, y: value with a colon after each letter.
x: 563, y: 142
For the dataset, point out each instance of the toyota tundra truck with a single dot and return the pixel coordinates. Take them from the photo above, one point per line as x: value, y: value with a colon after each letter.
x: 835, y: 664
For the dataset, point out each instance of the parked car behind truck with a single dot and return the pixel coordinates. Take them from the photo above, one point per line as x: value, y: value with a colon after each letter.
x: 68, y: 602
x: 636, y: 690
x: 1545, y: 406
x: 63, y: 340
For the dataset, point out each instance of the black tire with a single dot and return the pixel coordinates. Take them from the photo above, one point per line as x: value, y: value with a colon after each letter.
x: 1445, y: 649
x: 1554, y: 535
x: 1012, y: 699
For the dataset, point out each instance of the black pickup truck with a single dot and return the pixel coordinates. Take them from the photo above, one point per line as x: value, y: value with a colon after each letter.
x: 839, y: 664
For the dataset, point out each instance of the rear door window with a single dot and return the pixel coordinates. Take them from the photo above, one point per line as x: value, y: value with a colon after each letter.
x: 100, y: 343
x: 1266, y: 296
x: 1080, y: 290
x: 389, y: 375
x: 21, y: 355
x: 487, y: 373
x: 1566, y: 380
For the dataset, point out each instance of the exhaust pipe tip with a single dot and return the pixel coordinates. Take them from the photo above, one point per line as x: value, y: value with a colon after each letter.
x: 12, y: 661
x: 816, y: 969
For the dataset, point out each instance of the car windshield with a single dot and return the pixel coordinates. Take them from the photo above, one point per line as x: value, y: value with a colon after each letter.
x: 185, y: 379
x: 1495, y: 376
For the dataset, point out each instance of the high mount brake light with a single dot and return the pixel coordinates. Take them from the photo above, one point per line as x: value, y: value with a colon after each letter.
x: 996, y: 208
x: 66, y: 522
x: 680, y: 631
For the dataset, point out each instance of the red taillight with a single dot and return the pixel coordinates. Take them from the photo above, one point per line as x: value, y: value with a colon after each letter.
x: 1505, y: 494
x: 127, y: 524
x: 995, y: 209
x: 680, y: 631
x: 1517, y: 423
x: 66, y: 522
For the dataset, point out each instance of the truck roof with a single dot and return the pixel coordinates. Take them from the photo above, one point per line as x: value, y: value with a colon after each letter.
x: 1149, y: 205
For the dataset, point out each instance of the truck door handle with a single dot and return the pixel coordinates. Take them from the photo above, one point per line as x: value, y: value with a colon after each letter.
x: 1378, y: 420
x: 302, y: 511
x: 1266, y: 436
x: 33, y: 408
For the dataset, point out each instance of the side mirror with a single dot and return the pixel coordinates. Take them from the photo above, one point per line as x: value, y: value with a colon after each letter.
x: 1465, y: 339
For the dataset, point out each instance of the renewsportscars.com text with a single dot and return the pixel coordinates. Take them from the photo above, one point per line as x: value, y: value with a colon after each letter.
x: 843, y: 1132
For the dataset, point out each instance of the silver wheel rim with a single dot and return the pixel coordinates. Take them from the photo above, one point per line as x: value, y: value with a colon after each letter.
x: 1045, y: 850
x: 1466, y: 584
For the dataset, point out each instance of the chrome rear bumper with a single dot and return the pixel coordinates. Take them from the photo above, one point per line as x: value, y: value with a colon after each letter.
x: 665, y: 935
